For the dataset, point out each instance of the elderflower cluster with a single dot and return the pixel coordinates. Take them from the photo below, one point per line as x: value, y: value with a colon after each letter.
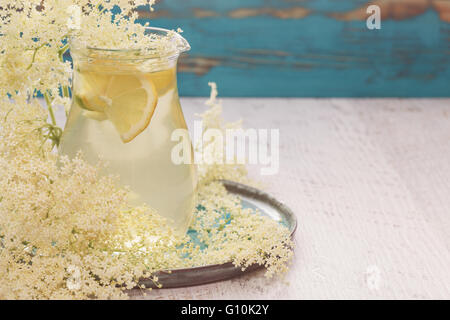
x: 232, y: 233
x: 34, y: 35
x: 212, y: 151
x: 63, y: 227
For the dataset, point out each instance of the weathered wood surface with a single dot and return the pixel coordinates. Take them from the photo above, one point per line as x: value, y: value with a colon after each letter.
x: 311, y: 48
x: 369, y: 181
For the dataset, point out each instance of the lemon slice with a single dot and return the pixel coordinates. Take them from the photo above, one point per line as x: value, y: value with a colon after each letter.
x: 93, y: 87
x: 131, y: 102
x: 128, y: 101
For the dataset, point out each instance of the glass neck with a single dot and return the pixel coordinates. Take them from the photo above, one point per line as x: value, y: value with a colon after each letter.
x: 160, y: 52
x: 120, y: 61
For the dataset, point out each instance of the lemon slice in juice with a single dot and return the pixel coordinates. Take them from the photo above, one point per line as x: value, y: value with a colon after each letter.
x: 131, y: 101
x: 128, y: 101
x: 93, y: 87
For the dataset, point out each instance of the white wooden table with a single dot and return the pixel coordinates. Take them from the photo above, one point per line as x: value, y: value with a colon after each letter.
x: 369, y: 181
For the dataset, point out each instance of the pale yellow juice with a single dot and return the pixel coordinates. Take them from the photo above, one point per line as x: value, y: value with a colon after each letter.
x: 126, y: 118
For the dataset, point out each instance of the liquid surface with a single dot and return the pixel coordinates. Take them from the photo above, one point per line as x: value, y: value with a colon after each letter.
x: 127, y: 120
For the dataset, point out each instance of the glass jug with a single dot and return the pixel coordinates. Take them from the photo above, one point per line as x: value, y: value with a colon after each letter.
x: 124, y: 110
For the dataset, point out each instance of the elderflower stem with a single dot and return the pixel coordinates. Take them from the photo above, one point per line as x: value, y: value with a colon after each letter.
x: 34, y: 55
x: 61, y: 52
x: 50, y: 108
x: 66, y: 91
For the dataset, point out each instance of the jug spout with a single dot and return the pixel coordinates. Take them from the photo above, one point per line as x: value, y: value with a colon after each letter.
x: 183, y: 45
x: 172, y: 42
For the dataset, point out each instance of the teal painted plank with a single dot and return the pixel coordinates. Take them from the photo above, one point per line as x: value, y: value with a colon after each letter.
x: 276, y: 49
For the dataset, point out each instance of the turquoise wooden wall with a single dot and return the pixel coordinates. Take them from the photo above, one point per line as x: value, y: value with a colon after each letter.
x: 311, y: 48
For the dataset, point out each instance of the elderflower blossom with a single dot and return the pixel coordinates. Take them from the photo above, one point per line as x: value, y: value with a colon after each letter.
x: 214, y: 168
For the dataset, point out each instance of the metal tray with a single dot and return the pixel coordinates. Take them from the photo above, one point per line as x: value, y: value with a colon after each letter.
x: 251, y: 197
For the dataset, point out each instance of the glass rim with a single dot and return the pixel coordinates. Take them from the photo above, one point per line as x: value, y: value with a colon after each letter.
x: 180, y: 45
